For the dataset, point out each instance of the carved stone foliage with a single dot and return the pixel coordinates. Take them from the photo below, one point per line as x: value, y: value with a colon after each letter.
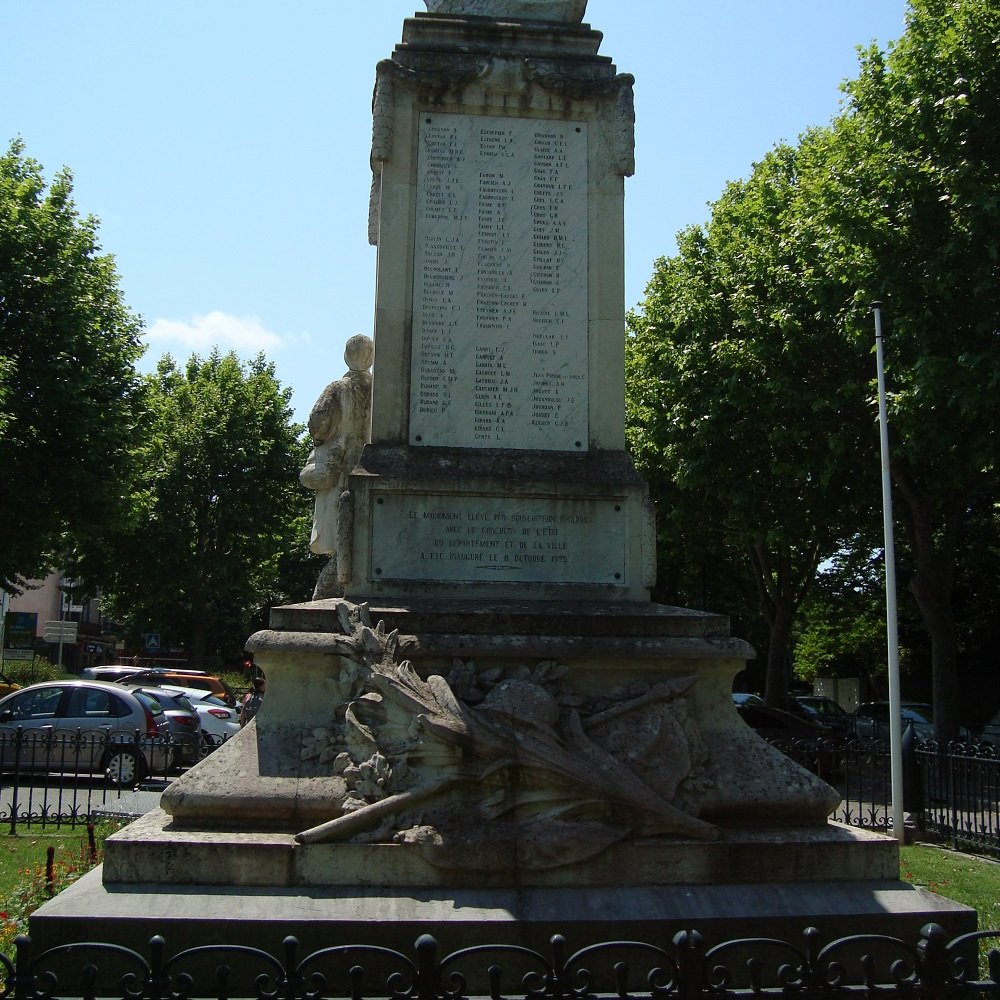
x: 455, y: 766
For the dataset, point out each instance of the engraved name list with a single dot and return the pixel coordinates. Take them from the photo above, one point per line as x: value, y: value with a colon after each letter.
x: 500, y: 315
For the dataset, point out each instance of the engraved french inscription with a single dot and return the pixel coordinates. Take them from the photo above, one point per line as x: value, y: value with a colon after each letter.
x: 455, y: 539
x: 500, y: 309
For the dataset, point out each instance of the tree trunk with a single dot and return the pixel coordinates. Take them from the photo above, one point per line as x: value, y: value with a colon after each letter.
x: 781, y: 589
x: 931, y: 585
x: 778, y: 676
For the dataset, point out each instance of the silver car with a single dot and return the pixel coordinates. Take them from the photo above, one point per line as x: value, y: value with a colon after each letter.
x: 91, y: 726
x: 185, y: 722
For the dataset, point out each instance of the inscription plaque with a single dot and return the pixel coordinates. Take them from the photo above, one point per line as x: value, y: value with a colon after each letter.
x: 500, y: 308
x: 456, y: 539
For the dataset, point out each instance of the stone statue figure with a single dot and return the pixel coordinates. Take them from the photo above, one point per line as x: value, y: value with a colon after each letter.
x: 530, y: 10
x: 338, y: 425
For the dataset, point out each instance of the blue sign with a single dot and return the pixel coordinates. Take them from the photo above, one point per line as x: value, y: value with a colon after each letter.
x: 151, y: 642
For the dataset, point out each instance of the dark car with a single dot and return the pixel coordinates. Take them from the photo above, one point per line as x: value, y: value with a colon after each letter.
x: 813, y: 744
x: 84, y: 725
x: 871, y: 721
x: 745, y: 698
x: 823, y: 710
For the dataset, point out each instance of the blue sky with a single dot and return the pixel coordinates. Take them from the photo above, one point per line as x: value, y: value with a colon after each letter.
x: 223, y: 144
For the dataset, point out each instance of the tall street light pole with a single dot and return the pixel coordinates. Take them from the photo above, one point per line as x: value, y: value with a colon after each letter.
x: 891, y: 617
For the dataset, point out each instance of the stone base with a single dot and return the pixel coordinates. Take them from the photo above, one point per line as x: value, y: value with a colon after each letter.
x: 323, y: 917
x: 157, y: 850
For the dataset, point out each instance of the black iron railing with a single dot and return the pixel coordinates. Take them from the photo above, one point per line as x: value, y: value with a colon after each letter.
x: 65, y: 779
x: 950, y: 792
x: 930, y: 968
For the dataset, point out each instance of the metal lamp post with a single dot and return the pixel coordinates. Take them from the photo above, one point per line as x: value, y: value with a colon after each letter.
x: 891, y: 618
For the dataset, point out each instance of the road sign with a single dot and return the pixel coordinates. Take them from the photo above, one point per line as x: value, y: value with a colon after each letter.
x: 60, y: 631
x: 151, y: 642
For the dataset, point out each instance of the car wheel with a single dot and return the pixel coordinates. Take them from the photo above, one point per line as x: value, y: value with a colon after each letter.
x: 123, y: 768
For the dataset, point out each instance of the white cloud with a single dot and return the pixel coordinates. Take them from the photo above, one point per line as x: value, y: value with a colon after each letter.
x: 242, y: 334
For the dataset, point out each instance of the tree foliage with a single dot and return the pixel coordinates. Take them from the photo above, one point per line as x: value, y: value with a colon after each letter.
x: 68, y: 388
x: 220, y: 519
x: 751, y: 381
x: 744, y: 386
x: 925, y: 121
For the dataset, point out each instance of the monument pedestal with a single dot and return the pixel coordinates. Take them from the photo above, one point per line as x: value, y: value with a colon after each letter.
x: 497, y: 738
x: 325, y: 916
x: 225, y: 864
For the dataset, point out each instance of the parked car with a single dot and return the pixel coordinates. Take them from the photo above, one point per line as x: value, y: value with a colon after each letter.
x: 219, y: 722
x: 871, y: 721
x: 823, y: 710
x: 745, y: 698
x: 110, y: 672
x: 186, y: 679
x: 991, y: 731
x: 185, y: 723
x: 106, y: 717
x: 7, y: 685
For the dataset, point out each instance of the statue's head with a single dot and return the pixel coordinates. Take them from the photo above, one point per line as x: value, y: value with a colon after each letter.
x: 359, y: 353
x: 530, y: 10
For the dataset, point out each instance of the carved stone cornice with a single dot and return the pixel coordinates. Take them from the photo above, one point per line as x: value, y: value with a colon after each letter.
x: 429, y: 84
x: 564, y: 80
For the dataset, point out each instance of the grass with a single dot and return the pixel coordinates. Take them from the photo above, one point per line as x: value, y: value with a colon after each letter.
x: 26, y: 850
x: 28, y: 876
x: 964, y: 878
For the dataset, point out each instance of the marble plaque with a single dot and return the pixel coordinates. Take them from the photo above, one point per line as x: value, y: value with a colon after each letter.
x: 500, y: 285
x: 456, y: 539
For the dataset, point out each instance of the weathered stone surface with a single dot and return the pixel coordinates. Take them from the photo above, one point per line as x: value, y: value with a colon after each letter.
x: 475, y: 763
x: 339, y: 428
x: 539, y: 10
x: 521, y: 737
x: 157, y: 850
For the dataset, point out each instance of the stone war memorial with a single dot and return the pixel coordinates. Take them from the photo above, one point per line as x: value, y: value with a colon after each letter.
x: 481, y: 727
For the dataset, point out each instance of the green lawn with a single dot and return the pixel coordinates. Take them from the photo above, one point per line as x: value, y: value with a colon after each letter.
x: 966, y: 879
x: 28, y: 851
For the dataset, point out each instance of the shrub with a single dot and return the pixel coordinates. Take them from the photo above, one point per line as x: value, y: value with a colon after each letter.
x: 25, y: 672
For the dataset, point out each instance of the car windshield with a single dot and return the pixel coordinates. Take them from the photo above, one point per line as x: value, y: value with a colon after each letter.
x: 823, y: 706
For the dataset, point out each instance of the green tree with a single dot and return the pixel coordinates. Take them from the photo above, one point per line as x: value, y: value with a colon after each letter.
x: 745, y: 392
x: 919, y: 189
x: 68, y: 388
x: 753, y: 383
x: 219, y: 512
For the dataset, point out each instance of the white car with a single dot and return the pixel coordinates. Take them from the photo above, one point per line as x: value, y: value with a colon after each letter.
x: 219, y: 722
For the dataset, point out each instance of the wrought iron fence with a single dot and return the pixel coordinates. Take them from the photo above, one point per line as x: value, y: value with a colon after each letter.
x: 66, y: 779
x: 951, y: 792
x: 930, y: 968
x: 959, y: 791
